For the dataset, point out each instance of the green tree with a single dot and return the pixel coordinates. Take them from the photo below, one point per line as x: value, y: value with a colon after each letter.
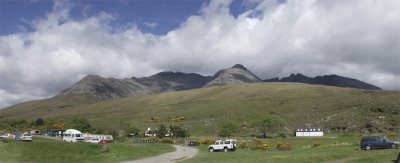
x: 178, y: 132
x: 162, y: 130
x: 272, y: 125
x: 112, y: 132
x: 80, y: 124
x: 228, y: 128
x: 39, y: 122
x: 132, y: 131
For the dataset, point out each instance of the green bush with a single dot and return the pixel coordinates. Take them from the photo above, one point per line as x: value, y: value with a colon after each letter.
x: 206, y: 141
x: 243, y: 145
x: 317, y: 145
x: 5, y: 140
x: 284, y: 146
x: 167, y: 140
x: 255, y: 144
x: 259, y: 145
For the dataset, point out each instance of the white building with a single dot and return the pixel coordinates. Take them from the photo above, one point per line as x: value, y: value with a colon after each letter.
x: 149, y: 132
x: 309, y: 131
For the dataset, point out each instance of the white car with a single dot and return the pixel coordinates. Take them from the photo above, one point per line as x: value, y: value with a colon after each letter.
x: 223, y: 145
x: 25, y: 137
x: 94, y: 140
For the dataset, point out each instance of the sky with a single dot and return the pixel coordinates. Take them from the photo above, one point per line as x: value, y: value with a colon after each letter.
x: 46, y: 46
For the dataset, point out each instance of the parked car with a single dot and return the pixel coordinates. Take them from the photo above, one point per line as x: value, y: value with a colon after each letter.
x: 7, y: 136
x: 193, y: 143
x: 25, y: 137
x: 95, y: 140
x: 223, y: 145
x: 375, y: 142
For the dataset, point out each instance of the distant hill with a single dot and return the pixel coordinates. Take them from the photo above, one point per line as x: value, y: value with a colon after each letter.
x: 330, y: 80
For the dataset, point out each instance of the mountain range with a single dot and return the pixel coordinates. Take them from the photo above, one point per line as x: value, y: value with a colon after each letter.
x: 206, y: 101
x: 330, y: 80
x: 111, y: 88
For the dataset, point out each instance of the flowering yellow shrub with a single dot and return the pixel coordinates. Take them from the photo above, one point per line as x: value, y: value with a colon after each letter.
x: 284, y: 146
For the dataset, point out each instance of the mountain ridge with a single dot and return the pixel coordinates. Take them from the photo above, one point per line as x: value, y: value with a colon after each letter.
x: 329, y: 80
x: 168, y: 81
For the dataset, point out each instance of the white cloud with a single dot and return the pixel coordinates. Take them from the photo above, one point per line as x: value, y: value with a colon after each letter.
x: 358, y: 39
x: 151, y: 25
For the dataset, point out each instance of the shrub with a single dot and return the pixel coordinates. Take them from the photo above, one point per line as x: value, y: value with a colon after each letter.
x: 152, y: 138
x: 5, y: 140
x: 392, y: 134
x: 259, y: 145
x: 284, y: 146
x: 256, y: 144
x: 177, y: 119
x: 206, y: 141
x: 316, y: 145
x: 266, y: 146
x: 342, y: 143
x: 167, y: 140
x: 153, y: 119
x: 243, y: 145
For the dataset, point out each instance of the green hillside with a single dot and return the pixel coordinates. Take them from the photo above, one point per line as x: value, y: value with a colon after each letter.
x: 203, y: 109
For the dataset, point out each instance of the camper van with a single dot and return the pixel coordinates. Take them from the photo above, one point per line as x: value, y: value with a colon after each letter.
x: 72, y: 135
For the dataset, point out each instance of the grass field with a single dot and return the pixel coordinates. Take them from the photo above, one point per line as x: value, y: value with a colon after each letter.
x: 41, y: 150
x: 333, y: 150
x: 203, y: 109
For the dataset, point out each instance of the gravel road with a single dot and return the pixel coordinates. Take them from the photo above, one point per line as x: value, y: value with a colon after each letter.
x: 181, y: 153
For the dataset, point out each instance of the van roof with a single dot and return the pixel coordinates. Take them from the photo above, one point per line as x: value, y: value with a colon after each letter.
x: 73, y: 131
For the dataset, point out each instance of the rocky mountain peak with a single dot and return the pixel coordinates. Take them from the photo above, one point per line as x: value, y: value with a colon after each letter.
x: 235, y: 75
x: 239, y: 66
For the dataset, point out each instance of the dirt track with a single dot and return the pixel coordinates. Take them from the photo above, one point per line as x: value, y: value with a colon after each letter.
x: 181, y: 153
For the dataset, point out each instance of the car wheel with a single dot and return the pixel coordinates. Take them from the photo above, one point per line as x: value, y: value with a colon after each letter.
x: 393, y: 146
x: 211, y: 150
x: 368, y: 148
x: 225, y: 149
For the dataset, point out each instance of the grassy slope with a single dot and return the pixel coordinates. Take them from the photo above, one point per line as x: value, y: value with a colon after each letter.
x: 338, y: 149
x: 203, y: 109
x: 41, y: 150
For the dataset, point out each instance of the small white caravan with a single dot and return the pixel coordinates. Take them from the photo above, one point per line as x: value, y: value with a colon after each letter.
x: 72, y: 135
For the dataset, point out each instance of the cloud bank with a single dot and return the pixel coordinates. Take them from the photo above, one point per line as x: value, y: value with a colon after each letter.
x: 357, y: 38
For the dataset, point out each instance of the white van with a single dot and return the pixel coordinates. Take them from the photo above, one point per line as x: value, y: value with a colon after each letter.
x: 72, y: 135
